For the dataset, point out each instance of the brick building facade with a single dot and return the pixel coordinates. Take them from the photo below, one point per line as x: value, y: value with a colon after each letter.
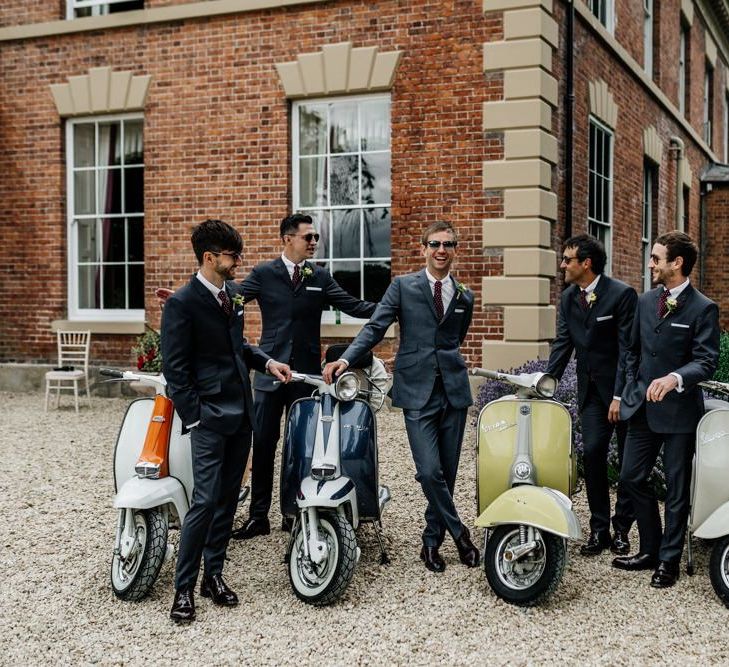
x: 122, y: 124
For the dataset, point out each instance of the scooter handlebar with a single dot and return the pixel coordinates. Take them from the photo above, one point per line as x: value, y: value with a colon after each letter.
x: 484, y: 373
x: 111, y: 372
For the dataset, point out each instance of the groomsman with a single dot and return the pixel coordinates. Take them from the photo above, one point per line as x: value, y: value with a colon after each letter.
x: 595, y: 320
x: 431, y: 381
x: 674, y: 346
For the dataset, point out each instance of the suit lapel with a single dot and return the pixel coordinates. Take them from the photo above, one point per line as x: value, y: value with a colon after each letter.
x: 599, y: 292
x: 427, y: 292
x: 454, y: 300
x: 303, y: 277
x: 207, y: 297
x: 680, y: 303
x: 282, y: 272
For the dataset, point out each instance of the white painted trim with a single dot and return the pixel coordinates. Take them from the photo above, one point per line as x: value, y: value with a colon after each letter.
x: 592, y: 119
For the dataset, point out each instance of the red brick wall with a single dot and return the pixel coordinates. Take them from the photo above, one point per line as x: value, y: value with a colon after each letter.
x: 217, y: 144
x: 716, y: 249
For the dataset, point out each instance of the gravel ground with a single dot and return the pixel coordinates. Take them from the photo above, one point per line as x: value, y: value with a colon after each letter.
x: 56, y: 604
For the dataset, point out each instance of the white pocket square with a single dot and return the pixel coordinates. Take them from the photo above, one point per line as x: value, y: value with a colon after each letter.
x: 680, y: 326
x: 604, y: 317
x: 460, y: 310
x: 314, y: 289
x: 240, y: 312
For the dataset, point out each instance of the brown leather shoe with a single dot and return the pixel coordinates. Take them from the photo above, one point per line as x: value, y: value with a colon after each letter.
x: 432, y: 559
x: 620, y: 544
x: 467, y: 551
x: 666, y: 575
x: 595, y: 543
x: 252, y: 528
x: 183, y: 607
x: 214, y: 587
x: 634, y: 563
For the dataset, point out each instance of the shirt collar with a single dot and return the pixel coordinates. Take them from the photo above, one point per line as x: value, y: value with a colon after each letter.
x: 432, y: 280
x: 673, y: 293
x: 213, y: 289
x: 289, y: 264
x: 591, y: 287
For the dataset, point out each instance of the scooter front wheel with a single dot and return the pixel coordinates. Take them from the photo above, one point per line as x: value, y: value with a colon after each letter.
x: 134, y: 574
x: 719, y: 569
x: 323, y: 583
x: 527, y: 579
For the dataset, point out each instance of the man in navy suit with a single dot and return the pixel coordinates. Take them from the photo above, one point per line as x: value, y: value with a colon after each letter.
x: 595, y: 320
x: 430, y: 381
x: 205, y: 360
x: 674, y: 346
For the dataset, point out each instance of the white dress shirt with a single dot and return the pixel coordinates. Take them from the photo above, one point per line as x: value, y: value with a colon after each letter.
x: 290, y: 265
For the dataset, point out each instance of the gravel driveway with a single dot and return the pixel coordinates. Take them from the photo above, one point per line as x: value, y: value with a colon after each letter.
x: 56, y: 604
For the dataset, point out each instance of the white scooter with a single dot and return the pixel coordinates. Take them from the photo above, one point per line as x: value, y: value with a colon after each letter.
x: 153, y: 484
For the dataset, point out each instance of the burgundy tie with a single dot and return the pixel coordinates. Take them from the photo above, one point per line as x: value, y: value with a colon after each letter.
x: 438, y: 299
x: 662, y: 301
x: 583, y: 299
x: 225, y: 302
x: 296, y: 278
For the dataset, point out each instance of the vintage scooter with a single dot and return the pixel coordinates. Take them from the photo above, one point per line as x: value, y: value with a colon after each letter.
x: 153, y: 485
x: 526, y: 474
x: 329, y: 481
x: 709, y: 517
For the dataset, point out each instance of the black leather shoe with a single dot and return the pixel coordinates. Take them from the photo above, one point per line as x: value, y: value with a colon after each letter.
x: 214, y: 587
x: 620, y: 544
x: 432, y: 559
x: 596, y: 543
x: 467, y: 551
x: 637, y: 562
x: 666, y: 575
x: 252, y: 528
x: 286, y: 524
x: 183, y: 607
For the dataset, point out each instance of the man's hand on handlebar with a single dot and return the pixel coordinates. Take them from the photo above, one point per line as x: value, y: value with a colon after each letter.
x: 333, y: 369
x: 279, y: 370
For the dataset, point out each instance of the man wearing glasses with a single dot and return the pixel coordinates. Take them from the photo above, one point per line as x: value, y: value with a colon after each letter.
x: 595, y: 319
x: 431, y: 381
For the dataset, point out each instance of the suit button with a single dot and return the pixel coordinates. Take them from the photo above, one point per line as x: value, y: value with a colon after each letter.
x: 653, y: 354
x: 658, y: 331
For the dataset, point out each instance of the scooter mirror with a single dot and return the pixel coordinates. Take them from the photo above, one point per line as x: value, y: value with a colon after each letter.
x: 346, y: 387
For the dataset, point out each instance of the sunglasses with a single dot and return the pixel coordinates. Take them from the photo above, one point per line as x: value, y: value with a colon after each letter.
x: 448, y: 245
x: 307, y: 237
x: 233, y: 255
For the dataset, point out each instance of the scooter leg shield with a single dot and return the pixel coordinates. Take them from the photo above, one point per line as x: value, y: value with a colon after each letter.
x: 137, y: 493
x: 329, y: 494
x: 716, y: 524
x: 536, y: 506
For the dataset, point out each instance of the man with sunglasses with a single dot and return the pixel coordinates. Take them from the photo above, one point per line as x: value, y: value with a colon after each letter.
x: 431, y: 382
x: 594, y: 320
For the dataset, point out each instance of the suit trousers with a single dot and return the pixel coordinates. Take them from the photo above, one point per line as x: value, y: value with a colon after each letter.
x: 641, y: 451
x: 435, y: 433
x: 597, y: 432
x: 268, y: 407
x: 218, y: 462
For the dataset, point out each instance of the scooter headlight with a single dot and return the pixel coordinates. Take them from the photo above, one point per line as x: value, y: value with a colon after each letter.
x: 546, y: 386
x: 347, y: 387
x: 147, y: 470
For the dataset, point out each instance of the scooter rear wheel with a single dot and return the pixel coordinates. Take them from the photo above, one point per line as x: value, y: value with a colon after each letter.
x: 133, y: 577
x: 719, y: 569
x: 531, y: 579
x: 323, y: 583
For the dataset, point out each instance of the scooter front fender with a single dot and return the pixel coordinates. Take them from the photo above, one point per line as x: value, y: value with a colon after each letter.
x: 716, y: 524
x: 536, y: 506
x: 329, y: 494
x: 143, y: 494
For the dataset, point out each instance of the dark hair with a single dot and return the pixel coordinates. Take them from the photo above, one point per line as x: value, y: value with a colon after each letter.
x: 439, y: 226
x: 290, y: 224
x: 588, y: 246
x: 215, y: 236
x: 679, y: 244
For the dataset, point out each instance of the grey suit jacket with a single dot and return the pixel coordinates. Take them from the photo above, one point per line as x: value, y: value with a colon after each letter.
x: 686, y: 342
x: 427, y: 346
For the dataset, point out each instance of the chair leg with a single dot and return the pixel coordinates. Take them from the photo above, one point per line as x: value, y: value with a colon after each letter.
x: 58, y: 394
x: 75, y: 394
x: 48, y: 391
x: 88, y: 395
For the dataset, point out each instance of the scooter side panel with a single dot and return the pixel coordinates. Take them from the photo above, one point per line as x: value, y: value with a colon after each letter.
x: 552, y: 449
x: 711, y: 467
x: 298, y: 449
x: 130, y: 440
x: 358, y: 446
x: 496, y: 444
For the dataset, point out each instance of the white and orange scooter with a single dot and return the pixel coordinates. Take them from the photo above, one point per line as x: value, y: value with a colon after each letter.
x: 153, y: 485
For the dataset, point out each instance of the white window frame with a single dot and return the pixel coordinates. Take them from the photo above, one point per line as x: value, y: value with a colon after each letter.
x: 707, y: 133
x: 330, y: 316
x: 682, y: 71
x: 98, y: 7
x: 591, y: 222
x: 648, y: 37
x: 74, y: 312
x: 609, y: 5
x: 725, y: 128
x: 649, y: 185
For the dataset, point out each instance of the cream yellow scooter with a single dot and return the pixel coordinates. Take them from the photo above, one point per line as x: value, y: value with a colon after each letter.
x: 526, y: 475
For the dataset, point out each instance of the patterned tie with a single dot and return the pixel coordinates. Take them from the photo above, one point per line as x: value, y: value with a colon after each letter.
x: 662, y: 304
x: 438, y: 299
x: 583, y: 299
x: 225, y: 302
x: 296, y: 278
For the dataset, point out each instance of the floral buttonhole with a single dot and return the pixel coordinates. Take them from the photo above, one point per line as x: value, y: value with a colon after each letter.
x: 671, y: 305
x: 461, y: 288
x: 591, y: 298
x: 306, y: 272
x: 239, y: 300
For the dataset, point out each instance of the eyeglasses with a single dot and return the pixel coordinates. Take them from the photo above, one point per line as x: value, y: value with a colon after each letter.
x: 448, y: 245
x: 237, y: 256
x: 567, y: 260
x: 307, y: 237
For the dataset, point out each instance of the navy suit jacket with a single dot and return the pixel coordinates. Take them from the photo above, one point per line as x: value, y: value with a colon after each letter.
x: 206, y: 360
x: 599, y: 336
x: 291, y: 331
x: 686, y: 342
x: 427, y: 346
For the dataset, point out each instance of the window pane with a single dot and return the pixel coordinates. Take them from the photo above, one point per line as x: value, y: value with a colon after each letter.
x: 135, y: 239
x: 87, y: 246
x: 136, y: 286
x: 375, y: 125
x: 83, y: 145
x: 345, y: 233
x: 114, y: 287
x: 134, y: 190
x: 83, y: 193
x: 376, y: 280
x: 321, y: 225
x: 312, y: 129
x: 344, y: 180
x: 109, y: 149
x: 312, y: 181
x: 126, y: 6
x: 376, y: 230
x: 133, y: 142
x: 591, y: 197
x: 88, y: 286
x: 348, y: 274
x: 109, y: 191
x: 376, y: 178
x: 112, y: 249
x: 344, y: 137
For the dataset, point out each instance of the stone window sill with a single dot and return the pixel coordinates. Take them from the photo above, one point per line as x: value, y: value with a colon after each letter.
x: 99, y: 327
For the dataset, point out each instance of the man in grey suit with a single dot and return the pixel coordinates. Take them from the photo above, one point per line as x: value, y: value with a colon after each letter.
x: 431, y: 381
x: 595, y: 320
x: 674, y: 346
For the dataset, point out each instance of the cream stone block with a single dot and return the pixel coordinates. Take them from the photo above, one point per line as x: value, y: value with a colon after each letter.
x: 520, y: 144
x: 534, y: 323
x: 119, y: 90
x: 515, y: 54
x: 291, y: 80
x: 530, y: 203
x: 533, y: 22
x: 312, y: 72
x: 652, y: 144
x: 602, y: 103
x: 530, y: 262
x: 62, y: 98
x: 507, y: 355
x: 99, y: 80
x: 499, y: 233
x: 533, y: 82
x: 499, y: 290
x: 501, y: 5
x: 516, y: 174
x: 138, y: 91
x: 516, y: 114
x: 710, y: 49
x: 383, y: 72
x: 80, y: 93
x: 336, y: 65
x: 687, y: 11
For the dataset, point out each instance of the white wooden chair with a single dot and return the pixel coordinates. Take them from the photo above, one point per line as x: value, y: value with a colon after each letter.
x: 73, y: 350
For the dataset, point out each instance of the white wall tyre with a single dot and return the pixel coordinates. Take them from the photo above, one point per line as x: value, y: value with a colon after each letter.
x: 531, y: 579
x: 719, y: 569
x: 324, y: 583
x: 133, y: 577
